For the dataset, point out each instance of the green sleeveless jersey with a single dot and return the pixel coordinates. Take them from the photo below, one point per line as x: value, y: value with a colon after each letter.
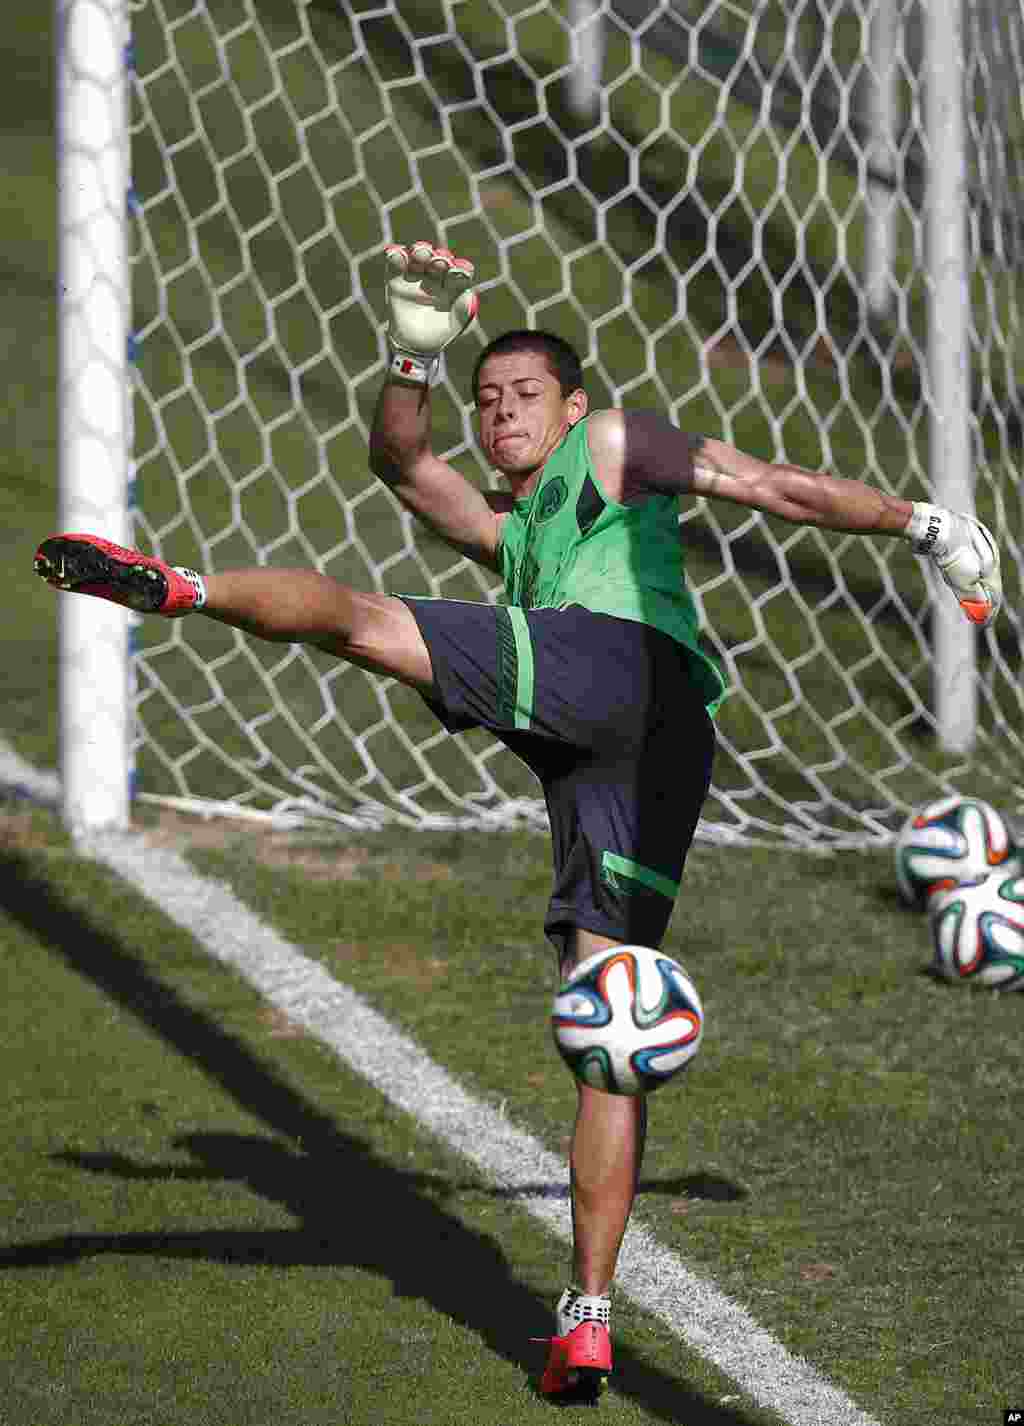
x: 567, y: 543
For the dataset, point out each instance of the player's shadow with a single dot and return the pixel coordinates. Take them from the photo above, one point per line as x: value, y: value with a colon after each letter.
x: 712, y: 1188
x: 351, y: 1207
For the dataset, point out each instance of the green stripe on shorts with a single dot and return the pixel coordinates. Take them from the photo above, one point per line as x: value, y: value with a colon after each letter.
x: 613, y: 866
x: 515, y: 667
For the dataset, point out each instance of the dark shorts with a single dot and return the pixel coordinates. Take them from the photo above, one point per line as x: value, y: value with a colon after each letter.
x: 605, y: 713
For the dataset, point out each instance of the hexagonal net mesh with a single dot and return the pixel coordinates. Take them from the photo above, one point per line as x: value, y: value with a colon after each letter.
x: 721, y: 204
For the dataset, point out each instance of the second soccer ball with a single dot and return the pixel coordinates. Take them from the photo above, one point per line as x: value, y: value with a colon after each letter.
x: 949, y: 842
x: 978, y: 932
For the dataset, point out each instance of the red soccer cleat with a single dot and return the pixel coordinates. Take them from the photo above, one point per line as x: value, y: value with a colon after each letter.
x: 578, y: 1362
x: 85, y: 564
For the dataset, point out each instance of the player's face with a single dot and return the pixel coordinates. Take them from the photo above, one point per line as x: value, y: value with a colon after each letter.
x: 523, y: 414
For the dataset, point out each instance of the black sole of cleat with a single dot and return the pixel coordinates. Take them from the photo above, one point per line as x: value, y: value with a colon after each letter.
x: 74, y: 564
x: 592, y: 1381
x: 587, y: 1391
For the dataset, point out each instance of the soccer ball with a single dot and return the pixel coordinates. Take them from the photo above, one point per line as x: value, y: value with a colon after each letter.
x: 627, y: 1020
x: 949, y: 842
x: 978, y: 932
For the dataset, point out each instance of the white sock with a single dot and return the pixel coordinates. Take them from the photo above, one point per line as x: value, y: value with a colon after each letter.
x: 575, y: 1307
x: 196, y: 580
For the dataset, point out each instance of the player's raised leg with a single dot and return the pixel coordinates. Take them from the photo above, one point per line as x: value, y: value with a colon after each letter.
x: 375, y: 631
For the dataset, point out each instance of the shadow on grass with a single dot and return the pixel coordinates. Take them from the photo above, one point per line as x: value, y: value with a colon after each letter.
x: 334, y: 1185
x: 707, y: 1187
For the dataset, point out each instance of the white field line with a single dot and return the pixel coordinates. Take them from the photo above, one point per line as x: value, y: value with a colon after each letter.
x: 655, y: 1278
x: 19, y: 778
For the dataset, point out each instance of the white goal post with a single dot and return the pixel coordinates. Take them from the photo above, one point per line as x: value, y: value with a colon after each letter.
x: 94, y: 399
x: 796, y: 226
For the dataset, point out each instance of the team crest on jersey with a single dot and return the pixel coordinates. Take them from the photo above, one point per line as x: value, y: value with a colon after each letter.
x: 552, y: 498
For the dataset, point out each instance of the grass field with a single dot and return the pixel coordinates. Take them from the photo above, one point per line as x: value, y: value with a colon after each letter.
x: 211, y: 1220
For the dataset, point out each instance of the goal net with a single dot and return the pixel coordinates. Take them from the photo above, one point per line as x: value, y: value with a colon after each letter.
x: 724, y: 206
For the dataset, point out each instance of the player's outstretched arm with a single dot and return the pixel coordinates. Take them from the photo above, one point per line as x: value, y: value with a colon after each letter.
x: 804, y: 497
x: 653, y: 454
x: 430, y: 304
x: 960, y: 546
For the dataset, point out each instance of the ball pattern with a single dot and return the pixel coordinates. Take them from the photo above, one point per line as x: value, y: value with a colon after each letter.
x: 627, y: 1020
x: 949, y: 842
x: 978, y: 932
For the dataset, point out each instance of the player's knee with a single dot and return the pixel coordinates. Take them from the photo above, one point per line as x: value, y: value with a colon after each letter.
x: 383, y: 637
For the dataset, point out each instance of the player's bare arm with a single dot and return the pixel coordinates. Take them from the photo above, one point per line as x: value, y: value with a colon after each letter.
x: 804, y: 497
x: 638, y: 451
x: 430, y: 304
x: 961, y: 547
x: 401, y: 456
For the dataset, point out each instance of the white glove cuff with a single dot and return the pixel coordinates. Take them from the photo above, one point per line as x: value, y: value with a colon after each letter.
x: 929, y: 529
x: 413, y: 368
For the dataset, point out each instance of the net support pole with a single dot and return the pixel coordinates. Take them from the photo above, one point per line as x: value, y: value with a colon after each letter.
x: 882, y: 117
x: 588, y: 44
x: 949, y: 369
x: 93, y: 398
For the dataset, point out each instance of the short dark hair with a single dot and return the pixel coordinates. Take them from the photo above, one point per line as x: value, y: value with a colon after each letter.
x: 562, y: 358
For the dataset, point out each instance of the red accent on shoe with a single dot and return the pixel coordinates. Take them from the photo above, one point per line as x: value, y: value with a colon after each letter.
x: 556, y: 1377
x: 587, y: 1349
x: 87, y: 564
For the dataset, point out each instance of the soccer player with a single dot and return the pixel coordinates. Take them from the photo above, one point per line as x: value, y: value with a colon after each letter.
x: 592, y: 672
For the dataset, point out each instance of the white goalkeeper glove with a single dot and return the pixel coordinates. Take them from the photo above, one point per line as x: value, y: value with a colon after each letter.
x: 966, y: 556
x: 430, y: 303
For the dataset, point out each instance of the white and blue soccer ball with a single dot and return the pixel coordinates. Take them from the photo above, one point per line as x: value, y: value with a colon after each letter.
x: 950, y: 842
x: 627, y: 1020
x: 978, y: 932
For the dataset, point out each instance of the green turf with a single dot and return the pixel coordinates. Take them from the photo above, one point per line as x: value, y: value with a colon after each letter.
x: 206, y: 1211
x: 210, y: 1220
x: 843, y: 1154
